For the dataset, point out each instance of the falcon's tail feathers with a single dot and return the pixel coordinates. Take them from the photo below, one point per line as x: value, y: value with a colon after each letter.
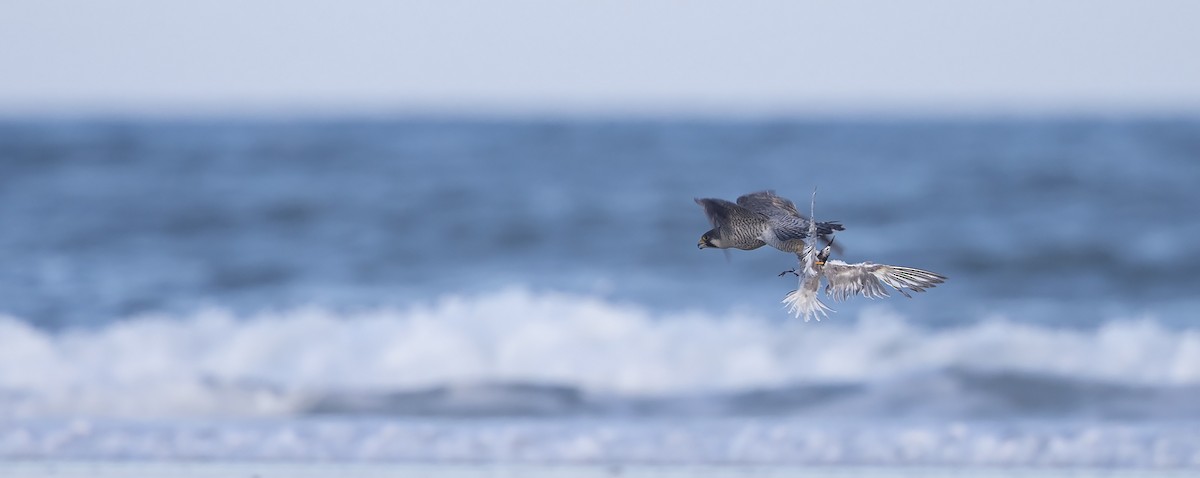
x: 827, y: 227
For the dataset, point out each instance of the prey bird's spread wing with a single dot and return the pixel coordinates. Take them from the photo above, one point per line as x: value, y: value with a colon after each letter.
x: 845, y: 280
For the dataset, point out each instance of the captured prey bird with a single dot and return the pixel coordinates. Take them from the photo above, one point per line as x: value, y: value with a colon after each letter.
x: 757, y: 219
x: 844, y: 280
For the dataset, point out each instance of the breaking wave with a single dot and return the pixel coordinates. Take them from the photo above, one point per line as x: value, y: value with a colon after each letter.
x: 517, y: 352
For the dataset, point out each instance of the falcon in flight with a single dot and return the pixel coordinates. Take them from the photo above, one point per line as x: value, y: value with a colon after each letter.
x: 757, y: 219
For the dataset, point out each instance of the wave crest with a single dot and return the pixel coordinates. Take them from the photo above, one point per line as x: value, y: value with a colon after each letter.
x: 284, y: 363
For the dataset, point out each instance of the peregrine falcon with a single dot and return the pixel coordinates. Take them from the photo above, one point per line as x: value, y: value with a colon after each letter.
x: 761, y: 218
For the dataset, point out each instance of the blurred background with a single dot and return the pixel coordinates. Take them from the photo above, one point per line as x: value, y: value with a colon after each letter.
x: 459, y: 232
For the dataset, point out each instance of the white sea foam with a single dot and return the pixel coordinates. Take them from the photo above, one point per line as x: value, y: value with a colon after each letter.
x: 761, y: 441
x: 212, y: 363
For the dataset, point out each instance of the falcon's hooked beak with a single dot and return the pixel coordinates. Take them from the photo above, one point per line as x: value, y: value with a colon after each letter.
x: 701, y: 244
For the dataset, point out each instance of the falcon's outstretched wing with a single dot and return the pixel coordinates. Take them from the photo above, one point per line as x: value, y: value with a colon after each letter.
x: 770, y: 204
x: 724, y: 214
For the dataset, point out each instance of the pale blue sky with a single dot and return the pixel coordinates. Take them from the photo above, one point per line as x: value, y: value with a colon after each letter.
x: 600, y: 56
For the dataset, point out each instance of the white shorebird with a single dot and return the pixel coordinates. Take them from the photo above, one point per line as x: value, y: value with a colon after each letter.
x: 843, y: 280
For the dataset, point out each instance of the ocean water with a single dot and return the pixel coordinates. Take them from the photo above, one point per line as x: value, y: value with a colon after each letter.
x: 529, y: 292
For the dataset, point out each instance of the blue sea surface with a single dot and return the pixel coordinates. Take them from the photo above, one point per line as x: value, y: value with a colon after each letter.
x: 434, y: 289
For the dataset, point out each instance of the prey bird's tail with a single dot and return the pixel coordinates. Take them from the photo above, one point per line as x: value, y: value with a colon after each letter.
x: 804, y: 302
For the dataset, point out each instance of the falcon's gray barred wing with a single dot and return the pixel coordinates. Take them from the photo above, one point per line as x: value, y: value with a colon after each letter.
x: 722, y: 213
x: 789, y: 226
